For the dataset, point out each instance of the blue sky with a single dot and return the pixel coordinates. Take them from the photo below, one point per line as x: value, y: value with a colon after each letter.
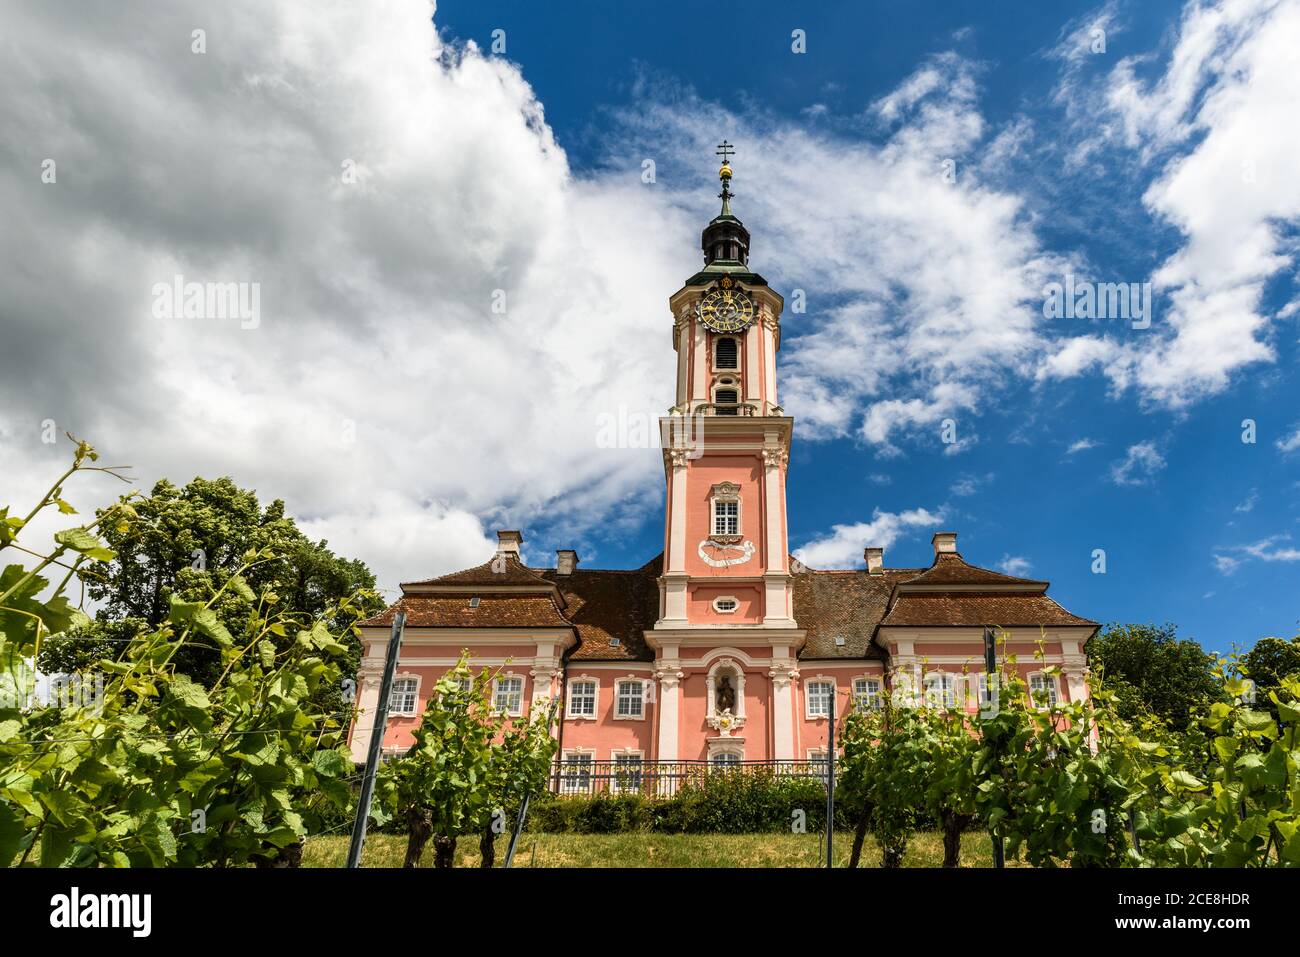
x: 462, y: 269
x: 1016, y: 492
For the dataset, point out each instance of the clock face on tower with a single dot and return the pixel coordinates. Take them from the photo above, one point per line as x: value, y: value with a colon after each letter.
x: 727, y: 308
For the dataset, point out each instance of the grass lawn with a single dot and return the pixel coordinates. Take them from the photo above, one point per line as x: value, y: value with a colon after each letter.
x: 654, y: 850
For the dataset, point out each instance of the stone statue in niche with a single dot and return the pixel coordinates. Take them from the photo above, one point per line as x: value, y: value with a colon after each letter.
x: 726, y: 696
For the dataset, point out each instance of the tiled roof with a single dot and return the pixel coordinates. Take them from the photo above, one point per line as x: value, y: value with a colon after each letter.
x: 950, y: 568
x: 609, y: 609
x: 606, y: 604
x: 843, y: 604
x: 505, y: 571
x: 1006, y: 609
x: 612, y: 609
x: 455, y: 611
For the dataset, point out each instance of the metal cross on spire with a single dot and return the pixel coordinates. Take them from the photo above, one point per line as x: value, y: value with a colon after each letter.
x: 726, y: 151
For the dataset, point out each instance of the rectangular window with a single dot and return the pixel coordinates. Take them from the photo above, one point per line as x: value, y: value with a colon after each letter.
x: 726, y: 760
x: 866, y: 693
x: 819, y: 695
x: 726, y: 518
x: 726, y: 401
x: 817, y: 763
x: 582, y: 699
x: 631, y: 699
x: 1042, y: 689
x: 509, y: 695
x: 402, y: 698
x: 575, y: 775
x: 940, y: 691
x: 627, y: 773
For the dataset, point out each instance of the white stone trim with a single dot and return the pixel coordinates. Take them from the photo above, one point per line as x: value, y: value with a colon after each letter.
x: 1054, y: 683
x: 718, y: 746
x: 614, y: 755
x: 735, y: 607
x: 405, y: 676
x: 945, y: 677
x: 725, y: 493
x: 629, y: 679
x: 721, y: 653
x: 711, y: 693
x: 523, y: 686
x: 879, y: 679
x: 569, y: 714
x: 565, y: 788
x: 807, y: 699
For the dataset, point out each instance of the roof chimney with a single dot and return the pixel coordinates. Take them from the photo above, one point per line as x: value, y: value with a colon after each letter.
x: 566, y: 561
x: 875, y: 560
x: 944, y: 543
x: 508, y: 543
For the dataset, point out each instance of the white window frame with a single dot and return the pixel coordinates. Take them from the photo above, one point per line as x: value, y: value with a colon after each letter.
x: 626, y: 754
x: 518, y: 710
x: 948, y: 689
x: 808, y: 697
x: 983, y: 697
x: 725, y: 760
x: 726, y: 493
x: 818, y: 756
x: 735, y: 604
x: 874, y: 700
x: 414, y: 693
x: 569, y: 713
x: 722, y: 517
x: 1050, y: 686
x: 618, y: 695
x: 573, y: 783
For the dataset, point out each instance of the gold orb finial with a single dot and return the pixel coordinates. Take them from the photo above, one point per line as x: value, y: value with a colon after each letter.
x: 725, y: 172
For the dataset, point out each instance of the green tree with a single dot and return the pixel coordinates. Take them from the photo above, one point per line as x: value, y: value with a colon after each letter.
x: 185, y: 544
x: 142, y: 766
x: 1266, y: 664
x: 1149, y: 670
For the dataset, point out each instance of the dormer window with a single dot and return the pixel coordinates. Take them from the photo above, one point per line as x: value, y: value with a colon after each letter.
x: 726, y: 354
x: 473, y: 602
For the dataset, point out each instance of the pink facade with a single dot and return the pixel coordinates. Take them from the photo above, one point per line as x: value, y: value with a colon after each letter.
x: 723, y: 648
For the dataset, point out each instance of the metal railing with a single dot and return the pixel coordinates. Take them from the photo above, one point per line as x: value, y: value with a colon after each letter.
x: 663, y: 778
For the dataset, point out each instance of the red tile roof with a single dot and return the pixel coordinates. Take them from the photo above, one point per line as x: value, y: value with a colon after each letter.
x: 506, y: 570
x: 950, y: 568
x: 611, y: 609
x: 1006, y: 609
x: 843, y: 604
x: 492, y: 611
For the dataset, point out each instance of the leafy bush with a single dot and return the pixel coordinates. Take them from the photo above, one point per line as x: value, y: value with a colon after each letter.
x: 144, y: 766
x: 732, y: 802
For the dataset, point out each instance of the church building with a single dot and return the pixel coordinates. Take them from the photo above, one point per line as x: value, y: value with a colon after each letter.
x: 722, y: 648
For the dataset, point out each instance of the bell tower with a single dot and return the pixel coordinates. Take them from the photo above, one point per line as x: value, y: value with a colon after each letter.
x: 726, y: 443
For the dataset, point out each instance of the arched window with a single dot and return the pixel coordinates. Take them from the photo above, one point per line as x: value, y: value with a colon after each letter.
x: 725, y: 354
x: 726, y: 401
